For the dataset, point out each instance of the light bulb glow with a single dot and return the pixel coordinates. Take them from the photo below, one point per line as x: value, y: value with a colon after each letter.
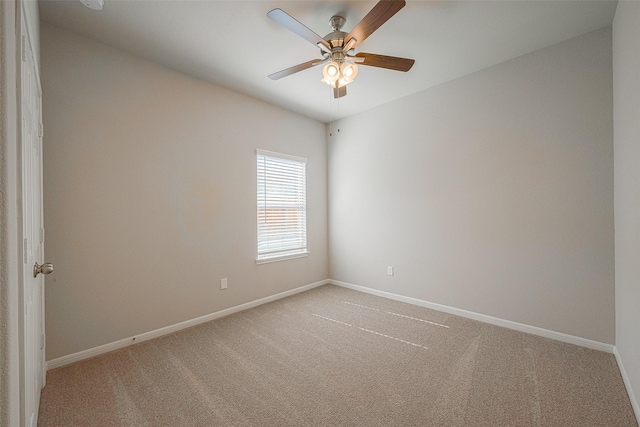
x: 348, y: 72
x: 331, y: 71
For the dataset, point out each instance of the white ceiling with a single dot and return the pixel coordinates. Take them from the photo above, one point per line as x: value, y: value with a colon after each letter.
x: 234, y: 44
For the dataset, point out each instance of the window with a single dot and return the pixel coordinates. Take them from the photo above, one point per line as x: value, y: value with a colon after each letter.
x: 282, y: 207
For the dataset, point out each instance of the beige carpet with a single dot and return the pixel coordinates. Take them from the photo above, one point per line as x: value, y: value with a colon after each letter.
x: 337, y: 357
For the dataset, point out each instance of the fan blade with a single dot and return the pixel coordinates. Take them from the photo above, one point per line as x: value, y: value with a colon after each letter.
x: 289, y: 22
x: 383, y: 61
x: 377, y: 16
x: 296, y: 68
x: 339, y: 92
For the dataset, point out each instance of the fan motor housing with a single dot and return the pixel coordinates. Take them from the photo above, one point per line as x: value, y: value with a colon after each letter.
x: 336, y: 39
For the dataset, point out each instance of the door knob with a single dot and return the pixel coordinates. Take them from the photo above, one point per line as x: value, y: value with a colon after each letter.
x: 45, y: 268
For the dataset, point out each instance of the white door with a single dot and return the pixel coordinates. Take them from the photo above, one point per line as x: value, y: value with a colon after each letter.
x: 32, y: 295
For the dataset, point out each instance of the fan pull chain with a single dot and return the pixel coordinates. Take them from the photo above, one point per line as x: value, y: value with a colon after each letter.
x: 330, y: 115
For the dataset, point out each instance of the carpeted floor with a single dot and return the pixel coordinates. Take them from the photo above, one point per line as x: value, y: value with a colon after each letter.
x: 336, y: 357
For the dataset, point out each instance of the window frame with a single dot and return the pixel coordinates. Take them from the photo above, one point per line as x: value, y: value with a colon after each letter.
x: 284, y: 254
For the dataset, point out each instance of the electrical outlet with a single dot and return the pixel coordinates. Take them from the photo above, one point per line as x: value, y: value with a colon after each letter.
x: 223, y: 283
x: 389, y: 270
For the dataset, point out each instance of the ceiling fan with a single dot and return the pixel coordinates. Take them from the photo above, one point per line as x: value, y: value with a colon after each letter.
x: 337, y: 48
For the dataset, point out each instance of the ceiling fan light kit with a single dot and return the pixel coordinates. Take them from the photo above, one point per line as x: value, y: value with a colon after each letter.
x: 337, y: 47
x: 339, y: 73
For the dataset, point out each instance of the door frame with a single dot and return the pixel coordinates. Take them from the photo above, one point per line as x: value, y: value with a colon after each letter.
x: 12, y: 386
x: 31, y: 339
x: 10, y: 262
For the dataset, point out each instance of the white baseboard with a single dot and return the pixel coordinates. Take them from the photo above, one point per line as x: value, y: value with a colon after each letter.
x: 105, y: 348
x: 583, y: 342
x: 627, y: 384
x: 558, y: 336
x: 95, y: 351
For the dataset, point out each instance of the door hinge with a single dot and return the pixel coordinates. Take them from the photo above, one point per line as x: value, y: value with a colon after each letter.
x: 40, y: 130
x: 24, y: 49
x: 41, y: 234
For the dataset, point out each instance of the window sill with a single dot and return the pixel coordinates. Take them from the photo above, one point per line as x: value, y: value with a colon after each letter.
x: 282, y: 257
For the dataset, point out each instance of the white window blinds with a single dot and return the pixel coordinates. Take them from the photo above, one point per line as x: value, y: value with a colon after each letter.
x: 282, y: 210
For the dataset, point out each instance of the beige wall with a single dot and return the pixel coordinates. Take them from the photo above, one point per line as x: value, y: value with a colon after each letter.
x: 150, y: 194
x: 492, y: 193
x: 626, y: 107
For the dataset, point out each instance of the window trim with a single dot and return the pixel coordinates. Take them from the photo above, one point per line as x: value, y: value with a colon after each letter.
x: 294, y: 253
x: 282, y: 257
